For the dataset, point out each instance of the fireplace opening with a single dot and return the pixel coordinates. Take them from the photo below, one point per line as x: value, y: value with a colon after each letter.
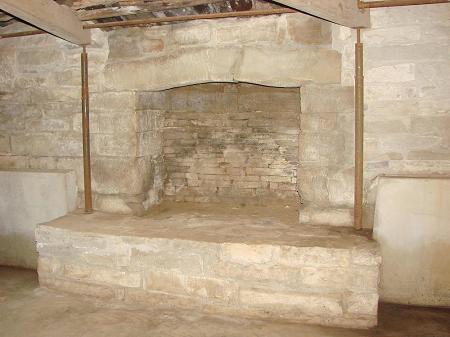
x: 227, y: 143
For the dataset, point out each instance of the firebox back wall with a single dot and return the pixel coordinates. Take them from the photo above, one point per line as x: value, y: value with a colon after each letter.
x: 230, y: 143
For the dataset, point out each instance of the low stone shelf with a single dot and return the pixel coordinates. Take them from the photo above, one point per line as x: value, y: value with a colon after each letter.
x: 251, y: 264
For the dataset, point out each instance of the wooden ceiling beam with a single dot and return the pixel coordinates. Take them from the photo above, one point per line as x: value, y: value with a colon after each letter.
x: 5, y: 17
x: 343, y: 12
x: 148, y: 7
x: 49, y: 16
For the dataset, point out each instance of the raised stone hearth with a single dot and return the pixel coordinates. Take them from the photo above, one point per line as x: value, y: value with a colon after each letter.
x: 222, y: 259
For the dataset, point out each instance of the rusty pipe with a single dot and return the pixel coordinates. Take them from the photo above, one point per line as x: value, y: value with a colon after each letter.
x: 24, y: 33
x: 86, y: 136
x: 155, y: 21
x: 397, y: 3
x: 359, y: 132
x: 189, y: 18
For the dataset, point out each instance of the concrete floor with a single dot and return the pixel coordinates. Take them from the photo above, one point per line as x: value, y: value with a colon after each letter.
x: 28, y: 311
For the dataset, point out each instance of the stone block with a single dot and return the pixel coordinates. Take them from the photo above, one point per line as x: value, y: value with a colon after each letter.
x: 152, y: 45
x: 376, y: 128
x: 298, y: 257
x: 47, y: 144
x: 68, y: 77
x: 121, y: 102
x: 327, y: 148
x: 308, y: 30
x: 213, y: 289
x: 340, y: 188
x: 121, y: 145
x: 330, y: 277
x: 259, y: 30
x: 119, y: 39
x: 173, y: 282
x: 49, y: 266
x: 327, y: 98
x: 430, y: 125
x: 367, y: 256
x: 249, y: 254
x: 193, y: 34
x: 329, y: 216
x: 14, y: 161
x: 7, y: 69
x: 168, y: 260
x: 365, y: 278
x: 190, y: 66
x: 111, y: 204
x: 116, y: 277
x: 74, y: 287
x: 147, y: 100
x: 391, y: 74
x: 5, y: 145
x: 228, y: 34
x: 319, y: 122
x: 40, y: 57
x: 391, y: 36
x: 115, y: 175
x: 291, y: 67
x: 77, y: 272
x: 165, y: 281
x: 362, y: 304
x: 312, y: 185
x: 297, y: 304
x: 269, y: 101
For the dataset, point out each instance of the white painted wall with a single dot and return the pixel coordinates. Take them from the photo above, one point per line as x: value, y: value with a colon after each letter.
x: 27, y: 198
x: 412, y: 225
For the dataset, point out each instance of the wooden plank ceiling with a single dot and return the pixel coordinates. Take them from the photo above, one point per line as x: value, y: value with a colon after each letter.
x: 122, y: 10
x: 49, y: 16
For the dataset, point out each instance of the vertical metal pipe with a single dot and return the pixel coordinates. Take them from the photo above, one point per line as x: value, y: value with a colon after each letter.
x: 85, y: 126
x: 359, y: 132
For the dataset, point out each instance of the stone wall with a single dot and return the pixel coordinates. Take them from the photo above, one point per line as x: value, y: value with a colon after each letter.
x: 407, y: 101
x: 278, y: 50
x: 325, y: 173
x: 40, y: 85
x: 40, y: 122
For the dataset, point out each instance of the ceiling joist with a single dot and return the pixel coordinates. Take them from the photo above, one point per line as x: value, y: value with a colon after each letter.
x: 148, y: 7
x: 343, y: 12
x: 49, y: 16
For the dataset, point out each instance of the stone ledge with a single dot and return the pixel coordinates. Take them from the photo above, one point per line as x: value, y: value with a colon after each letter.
x: 315, y: 276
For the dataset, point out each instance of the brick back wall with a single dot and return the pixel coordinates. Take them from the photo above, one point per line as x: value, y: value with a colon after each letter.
x: 231, y: 143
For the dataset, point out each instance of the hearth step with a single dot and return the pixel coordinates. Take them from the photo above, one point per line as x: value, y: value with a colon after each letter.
x: 253, y: 267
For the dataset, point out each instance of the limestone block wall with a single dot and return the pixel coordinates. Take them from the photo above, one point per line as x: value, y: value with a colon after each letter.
x: 40, y: 101
x: 407, y: 101
x: 285, y: 51
x: 40, y: 121
x: 279, y: 50
x: 326, y: 154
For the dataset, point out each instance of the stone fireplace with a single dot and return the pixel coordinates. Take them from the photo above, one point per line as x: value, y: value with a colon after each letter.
x: 222, y: 162
x: 274, y: 116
